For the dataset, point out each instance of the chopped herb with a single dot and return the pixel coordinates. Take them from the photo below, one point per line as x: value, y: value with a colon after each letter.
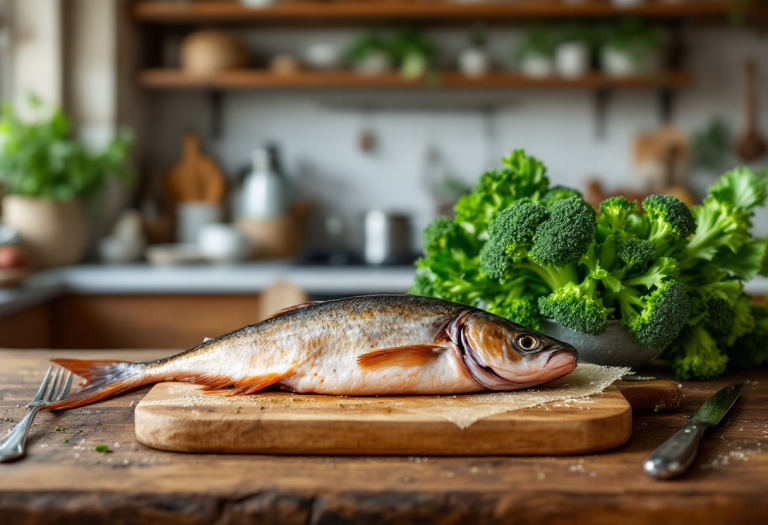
x: 262, y: 408
x: 59, y: 429
x: 104, y: 449
x: 7, y: 419
x: 237, y: 410
x: 657, y: 408
x: 65, y: 440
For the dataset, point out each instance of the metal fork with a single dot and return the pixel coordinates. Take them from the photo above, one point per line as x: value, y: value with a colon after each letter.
x: 54, y: 387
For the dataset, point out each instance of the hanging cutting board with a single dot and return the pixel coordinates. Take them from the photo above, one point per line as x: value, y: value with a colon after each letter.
x: 284, y: 423
x: 196, y: 178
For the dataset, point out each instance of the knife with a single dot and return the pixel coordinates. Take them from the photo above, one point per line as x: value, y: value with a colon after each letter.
x: 675, y: 455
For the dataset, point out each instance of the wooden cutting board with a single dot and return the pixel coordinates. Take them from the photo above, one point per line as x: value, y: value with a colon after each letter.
x: 284, y: 423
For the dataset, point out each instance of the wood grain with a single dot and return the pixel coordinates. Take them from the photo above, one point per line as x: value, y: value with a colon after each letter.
x: 263, y: 79
x: 148, y: 321
x: 365, y: 426
x: 58, y: 483
x: 26, y: 329
x: 657, y: 396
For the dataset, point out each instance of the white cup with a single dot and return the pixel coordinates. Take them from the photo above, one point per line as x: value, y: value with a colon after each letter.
x: 192, y: 216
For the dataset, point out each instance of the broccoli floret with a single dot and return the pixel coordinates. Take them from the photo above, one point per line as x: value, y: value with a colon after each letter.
x: 655, y: 318
x: 436, y: 234
x: 516, y: 226
x: 495, y: 260
x: 695, y: 355
x: 423, y: 284
x: 559, y: 193
x: 614, y: 214
x: 577, y: 307
x: 566, y: 235
x: 720, y: 315
x: 516, y: 300
x: 751, y: 349
x: 634, y: 252
x: 670, y: 220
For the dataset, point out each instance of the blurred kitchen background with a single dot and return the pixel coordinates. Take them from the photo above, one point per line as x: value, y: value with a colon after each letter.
x: 276, y: 151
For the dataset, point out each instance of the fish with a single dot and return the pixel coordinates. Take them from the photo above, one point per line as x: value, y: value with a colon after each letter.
x: 388, y: 344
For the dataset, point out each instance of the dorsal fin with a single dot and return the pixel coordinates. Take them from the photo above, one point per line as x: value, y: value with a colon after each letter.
x: 416, y: 355
x: 290, y: 308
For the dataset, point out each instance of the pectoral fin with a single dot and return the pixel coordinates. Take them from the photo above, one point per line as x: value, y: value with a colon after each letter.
x: 404, y: 356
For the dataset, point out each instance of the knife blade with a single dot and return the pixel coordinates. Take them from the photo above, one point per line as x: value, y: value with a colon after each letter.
x: 673, y: 457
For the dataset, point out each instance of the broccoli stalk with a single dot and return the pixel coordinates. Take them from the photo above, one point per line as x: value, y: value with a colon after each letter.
x: 670, y: 221
x: 695, y: 355
x: 616, y: 214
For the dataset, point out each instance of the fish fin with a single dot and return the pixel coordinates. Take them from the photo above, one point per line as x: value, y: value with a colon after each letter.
x: 416, y: 355
x: 251, y: 385
x: 291, y: 308
x: 103, y: 379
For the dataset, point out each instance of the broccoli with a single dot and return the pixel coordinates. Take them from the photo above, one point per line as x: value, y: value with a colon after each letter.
x: 577, y: 307
x: 655, y: 318
x: 566, y: 235
x: 751, y: 349
x: 634, y: 252
x: 436, y: 234
x: 510, y: 235
x: 615, y: 213
x: 721, y: 315
x: 670, y: 221
x: 695, y: 355
x: 559, y: 193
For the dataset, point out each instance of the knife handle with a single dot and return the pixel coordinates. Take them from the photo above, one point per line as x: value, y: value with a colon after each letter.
x: 675, y: 455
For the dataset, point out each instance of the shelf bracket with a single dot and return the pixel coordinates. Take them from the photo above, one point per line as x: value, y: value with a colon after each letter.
x: 215, y: 111
x: 602, y: 95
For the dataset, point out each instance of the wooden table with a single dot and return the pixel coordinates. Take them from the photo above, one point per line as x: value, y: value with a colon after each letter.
x: 71, y: 483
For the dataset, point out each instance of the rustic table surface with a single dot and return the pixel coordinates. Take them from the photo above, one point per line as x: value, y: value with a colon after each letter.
x: 71, y: 483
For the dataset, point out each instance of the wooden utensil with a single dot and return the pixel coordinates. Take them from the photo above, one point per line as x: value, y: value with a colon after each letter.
x: 196, y: 178
x: 751, y: 146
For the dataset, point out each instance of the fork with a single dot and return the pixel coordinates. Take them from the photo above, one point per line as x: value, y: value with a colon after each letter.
x: 55, y: 387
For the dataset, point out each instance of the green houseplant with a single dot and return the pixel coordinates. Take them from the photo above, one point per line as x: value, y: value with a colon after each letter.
x: 631, y: 48
x: 45, y: 173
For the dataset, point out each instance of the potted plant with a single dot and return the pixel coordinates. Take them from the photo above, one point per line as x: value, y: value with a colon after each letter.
x: 475, y: 61
x: 413, y: 52
x: 536, y: 52
x: 370, y: 54
x: 45, y: 174
x: 574, y: 51
x: 631, y: 48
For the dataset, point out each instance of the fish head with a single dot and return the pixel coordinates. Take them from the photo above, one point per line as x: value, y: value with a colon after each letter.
x: 502, y: 355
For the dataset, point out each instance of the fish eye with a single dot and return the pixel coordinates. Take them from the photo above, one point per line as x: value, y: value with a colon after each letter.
x: 527, y: 343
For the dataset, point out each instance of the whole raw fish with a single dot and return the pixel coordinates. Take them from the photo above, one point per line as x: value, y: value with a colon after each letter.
x: 369, y: 345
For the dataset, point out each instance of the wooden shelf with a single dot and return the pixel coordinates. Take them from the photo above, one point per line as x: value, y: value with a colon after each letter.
x: 261, y: 79
x: 302, y: 12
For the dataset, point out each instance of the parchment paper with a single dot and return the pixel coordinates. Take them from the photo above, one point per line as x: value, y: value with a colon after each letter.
x: 462, y: 410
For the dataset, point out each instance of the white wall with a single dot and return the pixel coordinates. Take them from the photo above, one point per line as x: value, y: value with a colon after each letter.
x: 319, y: 140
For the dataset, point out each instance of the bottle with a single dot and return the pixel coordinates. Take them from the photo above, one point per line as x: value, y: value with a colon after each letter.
x: 265, y: 191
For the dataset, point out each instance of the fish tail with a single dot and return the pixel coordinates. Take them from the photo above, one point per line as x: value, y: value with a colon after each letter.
x: 103, y: 379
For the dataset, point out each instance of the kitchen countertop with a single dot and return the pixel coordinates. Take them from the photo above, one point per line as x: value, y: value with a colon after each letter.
x: 245, y: 278
x: 70, y: 483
